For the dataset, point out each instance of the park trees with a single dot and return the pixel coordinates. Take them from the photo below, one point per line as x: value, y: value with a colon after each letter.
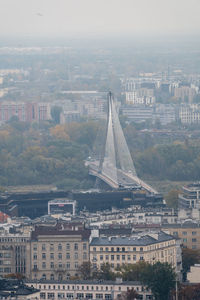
x: 160, y: 278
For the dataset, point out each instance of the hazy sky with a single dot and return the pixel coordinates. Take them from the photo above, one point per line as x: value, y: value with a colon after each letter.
x: 68, y: 17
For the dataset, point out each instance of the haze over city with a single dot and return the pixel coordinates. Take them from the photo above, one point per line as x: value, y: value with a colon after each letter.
x: 91, y: 17
x: 99, y: 149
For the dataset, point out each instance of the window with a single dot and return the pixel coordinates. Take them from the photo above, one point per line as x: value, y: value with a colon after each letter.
x: 42, y: 295
x: 118, y: 257
x: 134, y: 248
x: 43, y: 255
x: 75, y: 246
x: 52, y: 276
x: 44, y: 276
x: 123, y: 249
x: 112, y: 257
x: 84, y: 255
x: 194, y: 240
x: 76, y: 265
x: 75, y: 255
x: 43, y: 247
x: 50, y: 295
x: 101, y: 257
x: 184, y: 232
x: 68, y: 265
x: 134, y: 257
x: 112, y: 249
x: 141, y: 248
x: 194, y: 247
x: 60, y: 266
x: 175, y: 233
x: 108, y: 296
x: 7, y: 255
x: 59, y: 255
x: 141, y: 258
x: 129, y: 257
x: 99, y: 296
x: 35, y: 267
x: 84, y: 246
x: 59, y: 247
x: 123, y: 257
x: 107, y: 249
x: 35, y: 247
x: 43, y: 265
x: 52, y: 265
x: 101, y: 249
x: 35, y: 256
x: 118, y: 249
x: 184, y: 240
x: 60, y: 277
x: 194, y: 232
x: 67, y: 246
x: 51, y: 255
x: 94, y: 249
x: 89, y: 296
x: 68, y: 256
x: 107, y: 257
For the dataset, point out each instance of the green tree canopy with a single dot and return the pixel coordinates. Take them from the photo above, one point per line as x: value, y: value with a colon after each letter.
x: 172, y: 198
x: 160, y: 278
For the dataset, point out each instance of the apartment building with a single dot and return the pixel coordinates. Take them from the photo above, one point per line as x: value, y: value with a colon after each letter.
x: 189, y: 114
x: 28, y: 112
x: 151, y: 247
x: 188, y: 232
x: 57, y: 252
x: 14, y: 253
x: 82, y: 289
x: 184, y: 92
x: 190, y: 196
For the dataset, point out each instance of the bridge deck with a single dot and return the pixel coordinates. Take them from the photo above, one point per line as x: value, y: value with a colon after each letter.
x: 126, y: 179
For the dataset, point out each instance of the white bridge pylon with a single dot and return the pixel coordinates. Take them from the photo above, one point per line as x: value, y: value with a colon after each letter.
x: 115, y: 164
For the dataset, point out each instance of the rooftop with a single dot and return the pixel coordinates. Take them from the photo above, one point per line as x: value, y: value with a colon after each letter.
x: 138, y: 240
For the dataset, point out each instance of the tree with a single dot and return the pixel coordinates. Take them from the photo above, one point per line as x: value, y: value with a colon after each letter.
x: 172, y: 198
x: 55, y: 114
x: 60, y: 132
x: 129, y: 295
x: 18, y: 276
x: 188, y: 292
x: 132, y: 272
x: 189, y: 258
x: 86, y: 270
x: 106, y: 273
x: 160, y: 278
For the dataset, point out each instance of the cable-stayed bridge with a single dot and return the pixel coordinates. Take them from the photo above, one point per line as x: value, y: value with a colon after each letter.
x: 111, y: 160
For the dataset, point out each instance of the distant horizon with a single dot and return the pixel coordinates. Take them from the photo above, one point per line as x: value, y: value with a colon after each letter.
x: 61, y: 40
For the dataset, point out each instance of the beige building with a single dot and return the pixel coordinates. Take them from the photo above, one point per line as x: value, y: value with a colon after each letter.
x: 184, y: 92
x: 89, y: 289
x: 188, y: 232
x: 194, y: 275
x: 57, y: 252
x: 151, y: 247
